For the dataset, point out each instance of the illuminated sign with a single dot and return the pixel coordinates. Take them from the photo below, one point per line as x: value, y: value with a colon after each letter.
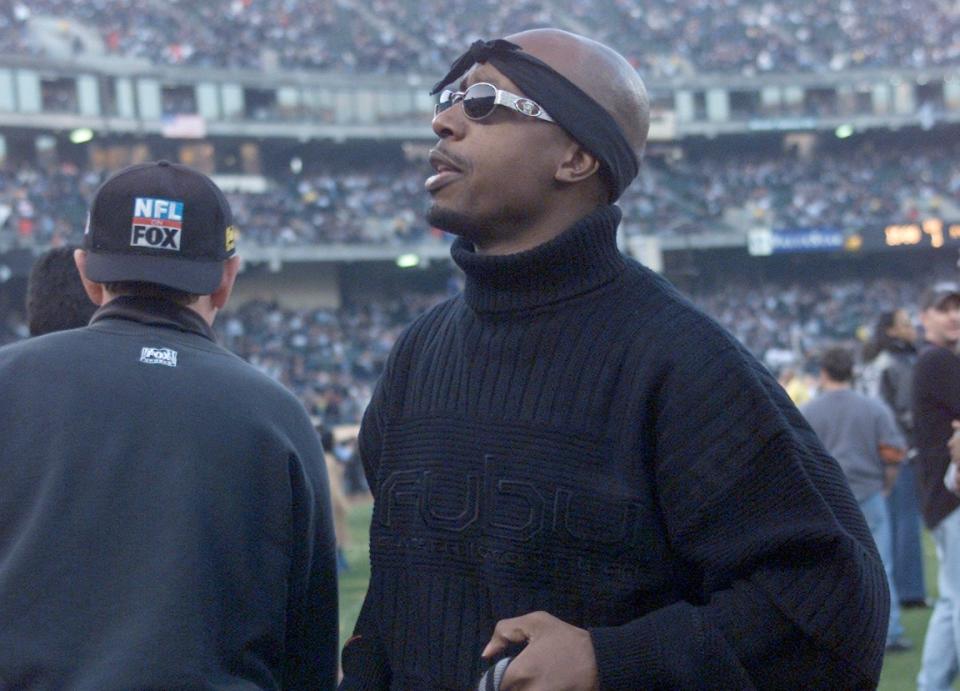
x: 763, y: 242
x: 931, y: 232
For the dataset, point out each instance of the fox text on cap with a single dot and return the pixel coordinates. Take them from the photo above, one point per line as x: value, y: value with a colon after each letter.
x: 157, y: 223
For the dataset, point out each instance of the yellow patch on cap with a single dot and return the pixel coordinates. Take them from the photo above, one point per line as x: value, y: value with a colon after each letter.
x: 231, y: 238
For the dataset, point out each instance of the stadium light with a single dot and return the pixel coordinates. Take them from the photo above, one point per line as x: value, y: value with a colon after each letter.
x: 844, y: 131
x: 296, y: 165
x: 81, y: 135
x: 408, y: 261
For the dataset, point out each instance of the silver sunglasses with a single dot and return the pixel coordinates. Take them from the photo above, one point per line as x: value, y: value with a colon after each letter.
x: 481, y: 99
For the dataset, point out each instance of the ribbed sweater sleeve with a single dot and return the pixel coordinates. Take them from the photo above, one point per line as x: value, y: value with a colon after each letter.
x: 365, y: 664
x: 787, y: 574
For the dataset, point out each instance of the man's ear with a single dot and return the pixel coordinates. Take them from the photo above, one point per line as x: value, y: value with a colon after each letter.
x: 577, y: 164
x: 221, y: 295
x: 94, y: 290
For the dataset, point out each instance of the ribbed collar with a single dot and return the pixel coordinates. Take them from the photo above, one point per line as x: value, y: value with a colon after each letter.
x: 581, y: 259
x: 155, y: 312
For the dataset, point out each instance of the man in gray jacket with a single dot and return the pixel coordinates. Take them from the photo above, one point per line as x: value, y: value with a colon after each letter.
x: 862, y: 434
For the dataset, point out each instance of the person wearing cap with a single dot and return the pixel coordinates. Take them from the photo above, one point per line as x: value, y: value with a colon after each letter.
x: 936, y: 404
x: 164, y: 510
x: 572, y: 467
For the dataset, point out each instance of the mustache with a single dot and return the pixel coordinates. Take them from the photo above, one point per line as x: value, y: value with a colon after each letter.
x: 459, y: 161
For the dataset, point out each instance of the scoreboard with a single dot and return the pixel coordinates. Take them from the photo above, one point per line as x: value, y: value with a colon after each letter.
x: 930, y: 233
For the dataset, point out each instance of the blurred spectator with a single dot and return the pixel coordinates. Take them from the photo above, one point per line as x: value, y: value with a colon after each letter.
x: 338, y: 501
x: 796, y: 386
x: 56, y: 299
x: 889, y: 357
x: 936, y: 405
x: 861, y: 434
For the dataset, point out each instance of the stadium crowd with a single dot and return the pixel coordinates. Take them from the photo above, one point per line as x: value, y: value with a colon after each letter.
x: 868, y: 186
x: 332, y: 358
x: 661, y: 37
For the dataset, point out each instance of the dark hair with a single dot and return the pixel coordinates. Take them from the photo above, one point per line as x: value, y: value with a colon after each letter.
x: 326, y: 439
x: 880, y: 340
x: 56, y: 300
x: 151, y: 290
x: 838, y: 364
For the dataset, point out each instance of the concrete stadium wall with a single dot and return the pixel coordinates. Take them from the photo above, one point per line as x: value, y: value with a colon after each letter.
x: 294, y: 286
x: 308, y: 285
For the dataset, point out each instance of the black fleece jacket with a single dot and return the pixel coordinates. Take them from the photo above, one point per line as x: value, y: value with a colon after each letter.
x: 164, y: 514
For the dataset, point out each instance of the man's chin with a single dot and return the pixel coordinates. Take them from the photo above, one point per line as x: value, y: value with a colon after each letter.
x: 451, y: 221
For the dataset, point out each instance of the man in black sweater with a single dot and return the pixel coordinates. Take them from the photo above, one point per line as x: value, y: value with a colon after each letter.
x: 573, y: 466
x: 164, y: 511
x: 936, y: 404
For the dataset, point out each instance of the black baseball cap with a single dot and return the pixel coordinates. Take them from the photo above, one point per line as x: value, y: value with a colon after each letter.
x: 160, y: 222
x: 937, y: 296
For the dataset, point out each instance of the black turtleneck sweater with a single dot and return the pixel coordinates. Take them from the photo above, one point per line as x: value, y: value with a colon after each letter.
x: 571, y: 435
x: 164, y: 514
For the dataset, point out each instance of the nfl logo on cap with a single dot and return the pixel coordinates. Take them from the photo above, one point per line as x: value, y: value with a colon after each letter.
x: 157, y: 223
x: 160, y: 223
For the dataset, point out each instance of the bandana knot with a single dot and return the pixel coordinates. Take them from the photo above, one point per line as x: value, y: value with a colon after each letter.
x: 479, y: 51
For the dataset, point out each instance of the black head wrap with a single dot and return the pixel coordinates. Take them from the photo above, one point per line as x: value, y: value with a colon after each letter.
x: 582, y: 117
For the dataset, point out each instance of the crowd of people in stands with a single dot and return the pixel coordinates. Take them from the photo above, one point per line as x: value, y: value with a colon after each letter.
x: 332, y: 357
x: 661, y: 37
x: 380, y: 206
x: 855, y: 188
x: 785, y: 324
x: 869, y: 186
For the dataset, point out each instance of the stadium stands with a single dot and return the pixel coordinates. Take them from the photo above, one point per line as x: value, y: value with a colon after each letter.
x: 848, y: 188
x: 724, y: 186
x: 332, y: 358
x: 661, y: 37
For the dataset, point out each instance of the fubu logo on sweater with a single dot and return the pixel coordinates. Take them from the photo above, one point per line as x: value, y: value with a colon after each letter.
x: 496, y: 517
x: 506, y: 507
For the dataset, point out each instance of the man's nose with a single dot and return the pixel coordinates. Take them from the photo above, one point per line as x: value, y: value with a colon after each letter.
x: 450, y: 123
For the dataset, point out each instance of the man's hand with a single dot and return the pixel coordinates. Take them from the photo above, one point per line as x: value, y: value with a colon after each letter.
x: 558, y: 656
x: 954, y: 443
x: 892, y: 457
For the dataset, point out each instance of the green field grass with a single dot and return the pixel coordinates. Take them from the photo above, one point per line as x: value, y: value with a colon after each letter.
x: 353, y: 583
x: 899, y: 670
